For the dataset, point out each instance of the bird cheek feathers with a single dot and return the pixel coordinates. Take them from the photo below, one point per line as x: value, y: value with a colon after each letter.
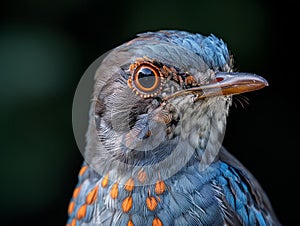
x: 149, y: 127
x: 163, y: 116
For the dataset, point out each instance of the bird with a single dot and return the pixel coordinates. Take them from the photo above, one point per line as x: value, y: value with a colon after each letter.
x: 154, y: 153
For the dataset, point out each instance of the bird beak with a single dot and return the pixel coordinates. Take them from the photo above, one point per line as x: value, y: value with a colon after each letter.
x: 226, y: 83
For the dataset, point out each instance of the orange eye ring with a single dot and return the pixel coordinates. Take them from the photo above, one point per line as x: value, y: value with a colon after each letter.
x: 146, y: 80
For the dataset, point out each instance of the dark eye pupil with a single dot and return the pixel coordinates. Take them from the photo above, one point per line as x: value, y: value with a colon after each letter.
x: 146, y: 77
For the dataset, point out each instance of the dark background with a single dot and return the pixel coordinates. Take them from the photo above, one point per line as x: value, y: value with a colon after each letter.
x: 45, y: 47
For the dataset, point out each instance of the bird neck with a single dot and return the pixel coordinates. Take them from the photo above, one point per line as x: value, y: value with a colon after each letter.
x: 196, y: 138
x: 202, y: 128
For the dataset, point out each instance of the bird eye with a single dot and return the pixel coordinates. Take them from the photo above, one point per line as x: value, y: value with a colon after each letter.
x: 146, y: 80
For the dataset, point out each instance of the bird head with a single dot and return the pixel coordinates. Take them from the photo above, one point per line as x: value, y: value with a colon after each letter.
x: 160, y: 103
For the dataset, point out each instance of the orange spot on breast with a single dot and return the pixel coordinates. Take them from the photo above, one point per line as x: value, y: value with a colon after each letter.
x: 92, y: 195
x: 71, y: 207
x: 151, y: 203
x: 81, y: 212
x: 142, y: 176
x: 114, y: 191
x: 160, y: 187
x: 157, y: 222
x: 104, y: 181
x: 130, y: 223
x: 127, y: 204
x: 82, y: 170
x: 73, y: 222
x: 76, y: 192
x: 129, y: 184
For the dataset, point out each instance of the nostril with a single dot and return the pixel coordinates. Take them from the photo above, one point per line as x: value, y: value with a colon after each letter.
x: 219, y: 79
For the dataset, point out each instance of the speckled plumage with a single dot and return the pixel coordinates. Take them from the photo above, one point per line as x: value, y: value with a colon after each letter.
x: 156, y: 158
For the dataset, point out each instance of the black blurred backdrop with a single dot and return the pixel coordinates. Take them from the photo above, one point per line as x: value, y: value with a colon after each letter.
x: 45, y: 47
